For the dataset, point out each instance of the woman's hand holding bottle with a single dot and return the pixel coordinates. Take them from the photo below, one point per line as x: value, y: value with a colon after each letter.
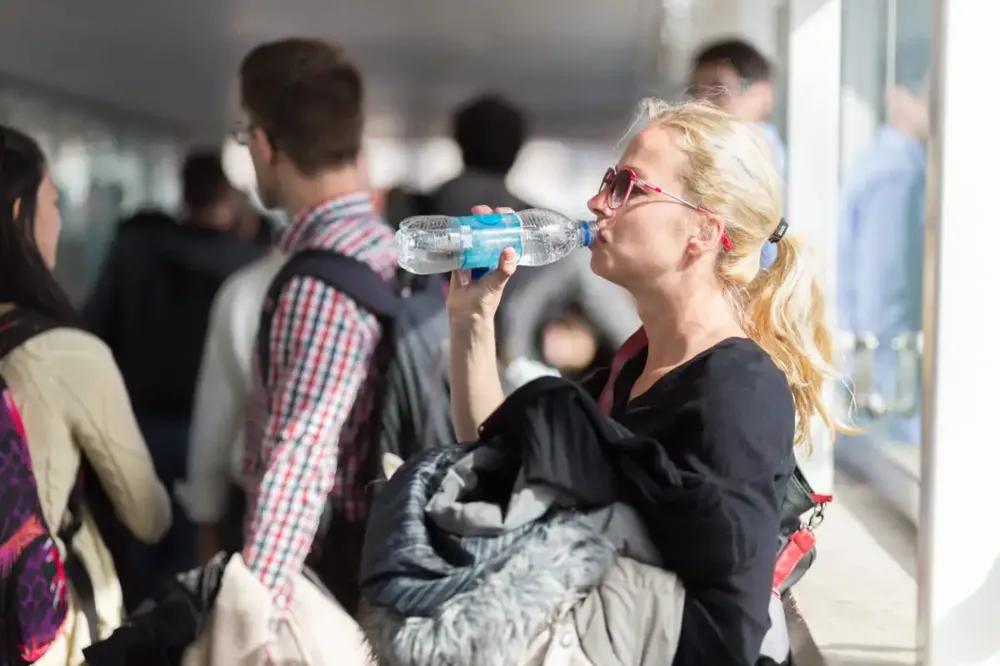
x: 473, y: 302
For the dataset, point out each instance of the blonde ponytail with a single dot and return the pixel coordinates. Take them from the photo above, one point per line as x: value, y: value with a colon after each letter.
x: 784, y: 311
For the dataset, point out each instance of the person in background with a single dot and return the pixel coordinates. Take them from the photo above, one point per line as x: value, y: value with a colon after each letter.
x: 252, y: 226
x: 71, y: 398
x: 303, y: 123
x: 733, y: 75
x: 151, y: 306
x: 212, y: 495
x: 490, y: 132
x: 400, y: 203
x: 881, y: 239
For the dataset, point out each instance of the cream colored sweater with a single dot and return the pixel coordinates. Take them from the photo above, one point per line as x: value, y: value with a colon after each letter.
x: 72, y: 399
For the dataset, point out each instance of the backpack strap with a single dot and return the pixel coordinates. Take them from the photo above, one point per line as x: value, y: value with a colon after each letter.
x: 635, y: 344
x: 349, y: 276
x: 17, y: 327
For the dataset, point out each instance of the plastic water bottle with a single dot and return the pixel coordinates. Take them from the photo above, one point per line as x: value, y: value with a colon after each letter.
x: 438, y: 243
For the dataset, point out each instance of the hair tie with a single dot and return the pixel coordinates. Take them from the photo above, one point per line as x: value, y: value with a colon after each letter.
x: 779, y: 231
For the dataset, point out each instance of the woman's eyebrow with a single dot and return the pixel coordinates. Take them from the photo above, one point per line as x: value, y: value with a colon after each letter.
x: 636, y: 170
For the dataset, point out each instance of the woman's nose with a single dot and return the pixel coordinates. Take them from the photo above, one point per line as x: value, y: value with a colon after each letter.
x: 598, y: 204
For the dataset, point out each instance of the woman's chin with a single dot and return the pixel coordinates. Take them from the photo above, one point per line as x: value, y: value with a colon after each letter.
x: 599, y: 261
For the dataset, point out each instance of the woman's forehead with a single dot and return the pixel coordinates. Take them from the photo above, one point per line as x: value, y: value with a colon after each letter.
x: 653, y: 153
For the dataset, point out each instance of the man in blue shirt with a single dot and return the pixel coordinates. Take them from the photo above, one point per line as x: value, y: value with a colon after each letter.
x: 881, y: 247
x: 736, y: 77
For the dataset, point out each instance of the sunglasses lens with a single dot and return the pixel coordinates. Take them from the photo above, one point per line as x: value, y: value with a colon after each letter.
x: 620, y: 189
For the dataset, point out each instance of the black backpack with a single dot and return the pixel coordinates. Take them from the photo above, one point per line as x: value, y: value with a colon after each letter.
x: 412, y: 404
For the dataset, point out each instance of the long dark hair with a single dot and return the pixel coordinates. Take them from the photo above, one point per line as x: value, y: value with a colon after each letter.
x: 25, y: 280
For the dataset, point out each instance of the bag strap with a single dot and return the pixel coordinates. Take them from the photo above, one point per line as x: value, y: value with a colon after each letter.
x: 635, y: 344
x: 349, y: 276
x: 17, y: 326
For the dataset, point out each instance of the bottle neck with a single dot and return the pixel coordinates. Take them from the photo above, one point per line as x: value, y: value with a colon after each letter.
x: 587, y: 232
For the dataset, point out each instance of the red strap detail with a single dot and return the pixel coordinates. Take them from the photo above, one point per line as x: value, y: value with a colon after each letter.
x: 632, y: 346
x: 821, y: 499
x: 798, y: 545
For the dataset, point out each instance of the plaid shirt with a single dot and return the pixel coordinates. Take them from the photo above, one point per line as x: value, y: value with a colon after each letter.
x: 300, y: 445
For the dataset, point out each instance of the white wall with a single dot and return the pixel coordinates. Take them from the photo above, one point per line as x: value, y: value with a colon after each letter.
x: 959, y: 553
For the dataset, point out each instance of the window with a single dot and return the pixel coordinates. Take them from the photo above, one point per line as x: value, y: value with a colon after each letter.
x: 884, y: 126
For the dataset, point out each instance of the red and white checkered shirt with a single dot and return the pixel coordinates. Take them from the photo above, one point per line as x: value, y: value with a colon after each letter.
x: 300, y: 444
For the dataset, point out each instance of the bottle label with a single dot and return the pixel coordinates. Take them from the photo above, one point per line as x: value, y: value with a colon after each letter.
x: 485, y: 237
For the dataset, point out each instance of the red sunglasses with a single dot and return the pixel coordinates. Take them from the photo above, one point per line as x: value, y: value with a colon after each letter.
x: 619, y: 184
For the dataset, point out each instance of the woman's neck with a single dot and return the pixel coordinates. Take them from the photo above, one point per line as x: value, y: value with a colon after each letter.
x: 679, y: 328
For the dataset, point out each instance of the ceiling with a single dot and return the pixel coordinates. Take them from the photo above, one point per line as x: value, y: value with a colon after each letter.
x: 577, y: 65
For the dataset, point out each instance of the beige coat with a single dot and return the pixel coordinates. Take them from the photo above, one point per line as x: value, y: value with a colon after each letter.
x: 72, y: 399
x: 632, y: 618
x: 316, y: 631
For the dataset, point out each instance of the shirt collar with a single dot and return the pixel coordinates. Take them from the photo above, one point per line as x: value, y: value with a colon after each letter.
x: 335, y: 209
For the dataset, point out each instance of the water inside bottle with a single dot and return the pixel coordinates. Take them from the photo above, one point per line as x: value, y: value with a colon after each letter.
x: 435, y: 249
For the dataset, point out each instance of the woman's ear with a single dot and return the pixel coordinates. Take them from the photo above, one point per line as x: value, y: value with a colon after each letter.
x: 707, y: 236
x: 17, y: 208
x: 714, y: 228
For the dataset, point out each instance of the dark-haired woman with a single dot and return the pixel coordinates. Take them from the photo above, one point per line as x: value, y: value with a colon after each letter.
x: 70, y: 396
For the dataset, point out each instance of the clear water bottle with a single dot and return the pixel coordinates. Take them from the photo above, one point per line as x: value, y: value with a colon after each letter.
x: 438, y: 243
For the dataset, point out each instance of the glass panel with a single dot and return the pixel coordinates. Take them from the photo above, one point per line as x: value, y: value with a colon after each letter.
x: 880, y: 273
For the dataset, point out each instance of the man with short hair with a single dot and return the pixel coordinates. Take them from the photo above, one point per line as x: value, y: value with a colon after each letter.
x: 490, y: 132
x: 151, y: 305
x: 210, y: 199
x: 736, y: 77
x: 302, y: 100
x: 733, y: 75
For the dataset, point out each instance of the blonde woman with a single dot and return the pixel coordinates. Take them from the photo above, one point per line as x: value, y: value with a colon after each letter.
x: 726, y: 373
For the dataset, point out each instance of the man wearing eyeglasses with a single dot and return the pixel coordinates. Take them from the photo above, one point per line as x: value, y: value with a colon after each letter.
x: 305, y: 446
x: 736, y: 77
